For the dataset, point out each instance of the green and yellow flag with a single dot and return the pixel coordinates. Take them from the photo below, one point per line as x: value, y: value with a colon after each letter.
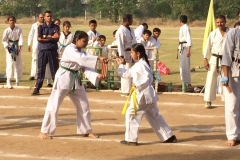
x: 210, y: 24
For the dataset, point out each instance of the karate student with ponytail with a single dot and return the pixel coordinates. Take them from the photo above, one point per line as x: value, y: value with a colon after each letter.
x: 68, y: 82
x: 143, y: 99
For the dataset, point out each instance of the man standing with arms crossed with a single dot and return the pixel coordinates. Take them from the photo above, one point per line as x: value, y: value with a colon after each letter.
x: 48, y: 36
x: 33, y: 35
x: 125, y: 39
x: 213, y: 51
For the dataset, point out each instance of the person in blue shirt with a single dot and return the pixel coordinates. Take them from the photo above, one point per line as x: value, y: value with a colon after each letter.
x: 48, y: 36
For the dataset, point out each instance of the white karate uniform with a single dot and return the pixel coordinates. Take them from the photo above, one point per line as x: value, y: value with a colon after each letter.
x: 184, y: 36
x: 138, y: 32
x: 114, y: 43
x: 146, y: 103
x: 156, y: 42
x: 214, y: 45
x: 147, y: 44
x: 13, y: 68
x: 64, y: 41
x: 91, y: 36
x: 104, y: 48
x: 232, y: 100
x: 33, y: 37
x: 64, y: 82
x: 125, y: 39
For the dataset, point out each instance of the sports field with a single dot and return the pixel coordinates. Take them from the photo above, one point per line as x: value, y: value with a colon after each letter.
x: 168, y: 52
x: 200, y: 131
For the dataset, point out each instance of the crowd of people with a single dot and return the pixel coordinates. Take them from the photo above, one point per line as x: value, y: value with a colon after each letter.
x: 61, y: 56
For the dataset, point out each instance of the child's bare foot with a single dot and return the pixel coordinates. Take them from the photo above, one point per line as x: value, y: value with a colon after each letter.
x: 44, y: 136
x: 91, y: 135
x: 231, y: 143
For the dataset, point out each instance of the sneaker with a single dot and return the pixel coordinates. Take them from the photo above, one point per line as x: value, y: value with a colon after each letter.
x: 31, y: 78
x: 124, y: 94
x: 172, y: 139
x: 208, y: 105
x: 35, y: 93
x: 129, y: 143
x: 49, y: 85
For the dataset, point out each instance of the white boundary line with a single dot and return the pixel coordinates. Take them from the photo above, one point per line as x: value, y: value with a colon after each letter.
x: 107, y: 101
x: 184, y: 144
x: 73, y: 122
x: 115, y: 91
x: 28, y: 156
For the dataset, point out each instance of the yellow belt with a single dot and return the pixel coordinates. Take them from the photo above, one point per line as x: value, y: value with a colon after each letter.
x: 133, y: 94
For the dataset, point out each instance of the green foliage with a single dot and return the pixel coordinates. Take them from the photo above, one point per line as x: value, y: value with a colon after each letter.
x: 114, y: 9
x: 227, y: 8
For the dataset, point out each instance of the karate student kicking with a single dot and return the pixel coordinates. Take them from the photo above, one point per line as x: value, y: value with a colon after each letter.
x: 143, y: 99
x: 185, y: 43
x: 68, y: 82
x: 213, y: 53
x: 231, y: 81
x: 12, y: 42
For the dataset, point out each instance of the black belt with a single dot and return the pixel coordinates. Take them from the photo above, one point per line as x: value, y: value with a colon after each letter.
x: 182, y: 42
x: 181, y: 47
x: 75, y: 74
x: 218, y: 57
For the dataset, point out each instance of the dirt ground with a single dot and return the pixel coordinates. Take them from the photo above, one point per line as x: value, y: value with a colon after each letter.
x: 200, y: 131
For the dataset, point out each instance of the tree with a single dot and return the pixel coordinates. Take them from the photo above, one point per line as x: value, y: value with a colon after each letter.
x: 227, y: 8
x: 163, y: 9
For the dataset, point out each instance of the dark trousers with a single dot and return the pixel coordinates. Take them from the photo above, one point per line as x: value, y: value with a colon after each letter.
x: 45, y: 57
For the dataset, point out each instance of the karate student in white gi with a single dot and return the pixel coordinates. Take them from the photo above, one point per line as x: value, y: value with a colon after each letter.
x: 67, y: 82
x: 139, y: 31
x: 101, y: 44
x: 66, y: 38
x: 92, y: 33
x: 145, y: 41
x: 32, y: 37
x: 125, y: 39
x: 12, y: 42
x: 185, y: 44
x: 154, y: 39
x: 148, y: 45
x: 143, y: 99
x: 114, y: 43
x: 231, y: 81
x: 213, y: 53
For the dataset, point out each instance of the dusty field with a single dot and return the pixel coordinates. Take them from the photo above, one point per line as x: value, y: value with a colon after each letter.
x: 200, y: 132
